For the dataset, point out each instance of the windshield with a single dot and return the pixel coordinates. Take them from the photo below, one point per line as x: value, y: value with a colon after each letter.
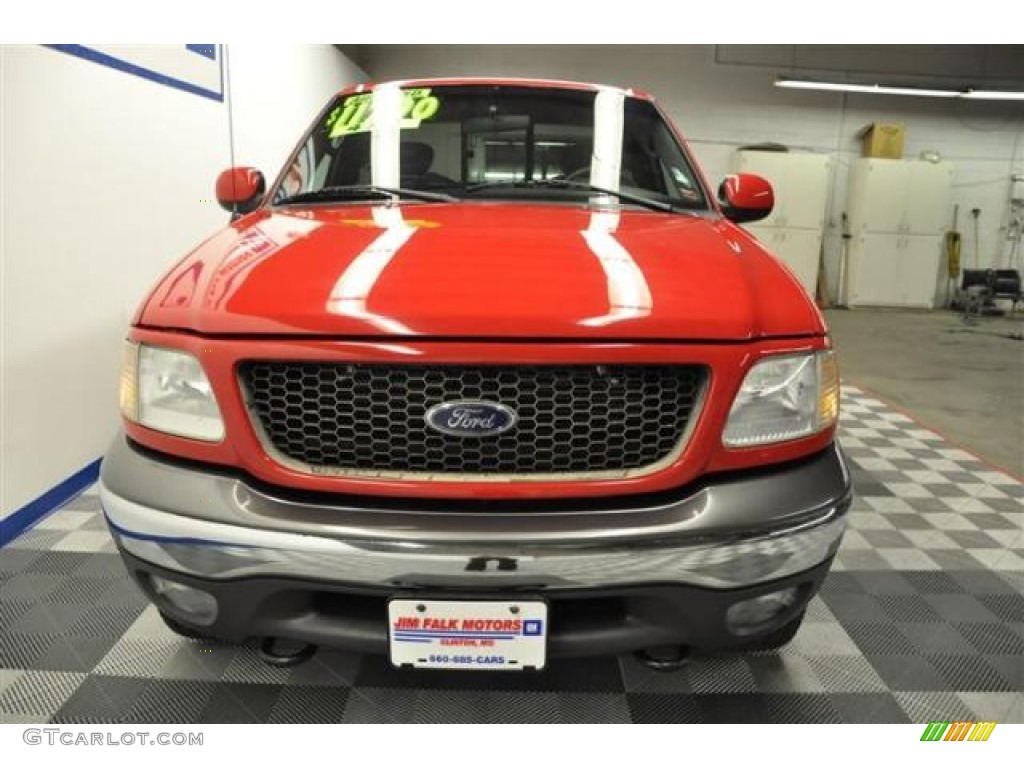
x: 486, y: 142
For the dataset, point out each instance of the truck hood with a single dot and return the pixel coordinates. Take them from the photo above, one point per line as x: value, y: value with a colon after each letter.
x: 488, y: 270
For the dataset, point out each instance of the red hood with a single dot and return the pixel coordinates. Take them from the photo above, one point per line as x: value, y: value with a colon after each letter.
x: 482, y: 270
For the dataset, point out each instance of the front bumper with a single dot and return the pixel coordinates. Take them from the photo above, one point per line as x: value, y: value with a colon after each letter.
x: 742, y: 534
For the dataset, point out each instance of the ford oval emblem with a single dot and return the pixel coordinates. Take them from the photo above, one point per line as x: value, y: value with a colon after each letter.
x: 471, y: 418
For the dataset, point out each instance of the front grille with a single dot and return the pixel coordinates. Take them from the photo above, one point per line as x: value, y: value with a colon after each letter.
x: 338, y: 418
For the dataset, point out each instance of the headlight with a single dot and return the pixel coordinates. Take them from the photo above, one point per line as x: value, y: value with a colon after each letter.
x: 167, y: 390
x: 783, y: 398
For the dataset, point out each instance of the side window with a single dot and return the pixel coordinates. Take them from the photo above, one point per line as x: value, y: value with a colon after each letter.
x: 675, y: 171
x: 309, y: 170
x: 301, y: 175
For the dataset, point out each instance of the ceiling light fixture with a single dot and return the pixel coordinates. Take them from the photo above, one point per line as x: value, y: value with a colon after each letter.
x: 994, y: 95
x: 891, y: 90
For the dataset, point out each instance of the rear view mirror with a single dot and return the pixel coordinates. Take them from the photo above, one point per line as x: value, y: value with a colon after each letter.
x: 240, y: 190
x: 746, y: 197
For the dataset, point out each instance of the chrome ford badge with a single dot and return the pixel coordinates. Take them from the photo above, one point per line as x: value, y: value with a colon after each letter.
x: 471, y: 418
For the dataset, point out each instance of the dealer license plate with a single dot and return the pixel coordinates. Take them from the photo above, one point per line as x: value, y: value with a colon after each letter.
x: 468, y: 634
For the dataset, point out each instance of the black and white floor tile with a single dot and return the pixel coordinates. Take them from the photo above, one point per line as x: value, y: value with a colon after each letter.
x: 922, y: 618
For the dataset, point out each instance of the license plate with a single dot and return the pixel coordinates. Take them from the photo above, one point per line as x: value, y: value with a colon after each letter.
x: 468, y: 634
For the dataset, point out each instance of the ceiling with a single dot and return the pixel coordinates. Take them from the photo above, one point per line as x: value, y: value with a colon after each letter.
x: 955, y: 66
x: 962, y: 66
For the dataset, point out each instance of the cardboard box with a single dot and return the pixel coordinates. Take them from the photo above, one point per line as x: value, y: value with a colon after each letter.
x: 883, y: 140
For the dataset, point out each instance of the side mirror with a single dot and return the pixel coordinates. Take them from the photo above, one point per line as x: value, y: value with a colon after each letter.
x: 240, y: 190
x: 746, y: 197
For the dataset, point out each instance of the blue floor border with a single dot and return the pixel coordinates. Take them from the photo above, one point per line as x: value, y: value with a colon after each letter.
x: 13, y: 526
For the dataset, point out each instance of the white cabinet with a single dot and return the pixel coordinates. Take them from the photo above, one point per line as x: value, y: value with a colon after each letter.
x: 898, y: 210
x: 929, y: 197
x: 878, y: 195
x: 893, y: 270
x: 798, y: 249
x: 872, y: 270
x: 794, y: 230
x: 921, y: 261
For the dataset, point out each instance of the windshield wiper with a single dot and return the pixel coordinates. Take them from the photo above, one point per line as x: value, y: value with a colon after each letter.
x: 365, y: 192
x: 628, y: 197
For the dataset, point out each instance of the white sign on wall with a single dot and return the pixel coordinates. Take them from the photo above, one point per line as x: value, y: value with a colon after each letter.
x: 195, y: 68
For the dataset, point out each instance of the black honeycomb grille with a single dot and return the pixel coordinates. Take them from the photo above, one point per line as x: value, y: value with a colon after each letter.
x: 571, y: 419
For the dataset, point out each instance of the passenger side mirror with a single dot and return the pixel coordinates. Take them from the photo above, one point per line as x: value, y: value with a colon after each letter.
x: 746, y: 197
x: 240, y: 190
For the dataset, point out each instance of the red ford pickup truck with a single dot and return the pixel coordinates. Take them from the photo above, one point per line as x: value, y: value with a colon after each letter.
x: 487, y: 376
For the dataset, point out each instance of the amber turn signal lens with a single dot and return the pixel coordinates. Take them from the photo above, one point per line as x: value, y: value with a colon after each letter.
x: 828, y: 389
x: 129, y: 390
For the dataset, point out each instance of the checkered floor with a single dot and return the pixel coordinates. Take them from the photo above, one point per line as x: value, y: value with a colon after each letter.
x: 921, y: 619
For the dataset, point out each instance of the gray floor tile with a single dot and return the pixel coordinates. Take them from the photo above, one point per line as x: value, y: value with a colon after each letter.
x: 37, y: 693
x: 868, y: 708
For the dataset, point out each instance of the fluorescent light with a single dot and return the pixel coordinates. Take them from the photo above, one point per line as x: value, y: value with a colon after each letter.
x: 994, y: 95
x: 891, y: 90
x: 888, y: 90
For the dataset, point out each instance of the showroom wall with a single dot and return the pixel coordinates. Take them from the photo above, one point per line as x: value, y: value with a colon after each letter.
x: 721, y: 106
x: 274, y: 98
x: 107, y: 179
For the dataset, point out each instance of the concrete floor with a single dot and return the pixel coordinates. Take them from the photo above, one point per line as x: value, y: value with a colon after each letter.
x: 966, y: 382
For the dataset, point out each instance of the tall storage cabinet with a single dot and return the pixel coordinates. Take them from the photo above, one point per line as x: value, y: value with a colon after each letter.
x: 794, y: 230
x: 899, y: 212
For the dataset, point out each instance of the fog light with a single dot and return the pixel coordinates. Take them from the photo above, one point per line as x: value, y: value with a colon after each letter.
x: 193, y: 604
x: 752, y: 615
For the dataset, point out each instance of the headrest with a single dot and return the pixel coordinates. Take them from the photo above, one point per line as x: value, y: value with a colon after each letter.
x: 416, y: 158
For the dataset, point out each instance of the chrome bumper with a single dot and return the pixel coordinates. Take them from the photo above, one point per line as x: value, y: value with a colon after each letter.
x: 739, y: 532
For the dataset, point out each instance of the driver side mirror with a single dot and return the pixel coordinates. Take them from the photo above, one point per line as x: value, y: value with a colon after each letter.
x: 746, y: 197
x: 240, y: 190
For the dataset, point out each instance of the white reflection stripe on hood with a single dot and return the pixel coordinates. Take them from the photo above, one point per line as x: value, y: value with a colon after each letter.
x: 353, y: 288
x: 386, y: 136
x: 629, y: 296
x: 606, y: 163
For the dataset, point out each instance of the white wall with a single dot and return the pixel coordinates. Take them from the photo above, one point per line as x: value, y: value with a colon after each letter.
x: 276, y: 93
x: 720, y: 107
x: 107, y: 178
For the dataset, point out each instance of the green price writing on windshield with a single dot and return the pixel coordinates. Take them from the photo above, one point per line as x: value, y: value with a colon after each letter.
x: 355, y: 115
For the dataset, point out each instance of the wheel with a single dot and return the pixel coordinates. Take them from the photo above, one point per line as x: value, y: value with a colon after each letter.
x: 776, y: 638
x: 180, y: 629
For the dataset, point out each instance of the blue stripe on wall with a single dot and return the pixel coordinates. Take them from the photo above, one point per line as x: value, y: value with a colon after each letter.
x: 13, y: 526
x: 205, y: 49
x: 107, y: 60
